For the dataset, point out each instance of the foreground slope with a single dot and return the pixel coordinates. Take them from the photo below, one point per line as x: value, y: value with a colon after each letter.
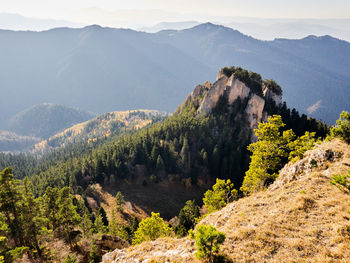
x: 300, y: 218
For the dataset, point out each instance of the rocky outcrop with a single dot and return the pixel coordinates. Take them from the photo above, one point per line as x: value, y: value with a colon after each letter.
x: 213, y: 95
x: 313, y: 161
x: 207, y: 96
x: 254, y: 110
x: 178, y: 250
x: 237, y: 89
x: 270, y: 95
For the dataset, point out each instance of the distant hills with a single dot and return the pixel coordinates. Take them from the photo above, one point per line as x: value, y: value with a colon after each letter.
x: 18, y: 22
x: 105, y: 69
x: 12, y: 142
x: 46, y: 119
x: 105, y: 125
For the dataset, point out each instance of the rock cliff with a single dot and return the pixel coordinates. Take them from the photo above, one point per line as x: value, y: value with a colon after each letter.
x: 206, y: 97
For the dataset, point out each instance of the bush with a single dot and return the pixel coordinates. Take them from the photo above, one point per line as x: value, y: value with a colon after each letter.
x: 151, y: 229
x: 342, y: 127
x: 222, y: 193
x: 208, y: 241
x: 341, y: 180
x: 187, y: 218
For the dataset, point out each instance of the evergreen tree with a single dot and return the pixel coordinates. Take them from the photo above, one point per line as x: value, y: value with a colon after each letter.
x: 342, y: 127
x: 187, y: 217
x: 103, y: 214
x: 151, y: 229
x: 99, y: 225
x: 67, y: 214
x: 33, y: 222
x: 86, y: 225
x: 270, y: 153
x: 10, y: 205
x: 222, y: 193
x: 119, y: 201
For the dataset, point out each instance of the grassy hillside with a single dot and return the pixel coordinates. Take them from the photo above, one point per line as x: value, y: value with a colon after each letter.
x: 302, y: 217
x: 103, y: 126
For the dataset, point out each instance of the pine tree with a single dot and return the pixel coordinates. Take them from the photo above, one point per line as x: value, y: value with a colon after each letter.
x: 67, y: 214
x: 86, y: 225
x: 33, y: 222
x: 119, y: 201
x: 151, y: 229
x: 223, y: 192
x: 10, y: 205
x: 103, y: 214
x: 270, y: 153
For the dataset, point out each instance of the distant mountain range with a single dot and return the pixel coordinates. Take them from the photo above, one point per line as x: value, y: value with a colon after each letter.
x: 19, y: 22
x: 269, y: 28
x: 105, y: 69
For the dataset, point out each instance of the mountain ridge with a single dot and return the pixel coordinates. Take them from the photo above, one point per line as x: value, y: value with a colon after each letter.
x: 104, y: 69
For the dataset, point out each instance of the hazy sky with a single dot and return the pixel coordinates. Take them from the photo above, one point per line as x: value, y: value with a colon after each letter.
x: 112, y: 12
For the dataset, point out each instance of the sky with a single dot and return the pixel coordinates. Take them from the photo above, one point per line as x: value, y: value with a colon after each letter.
x: 147, y: 12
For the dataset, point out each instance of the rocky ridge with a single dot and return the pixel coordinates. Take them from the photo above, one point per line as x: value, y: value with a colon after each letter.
x: 300, y: 218
x: 207, y: 96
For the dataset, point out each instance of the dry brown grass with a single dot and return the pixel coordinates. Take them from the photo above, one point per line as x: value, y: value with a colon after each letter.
x: 306, y: 220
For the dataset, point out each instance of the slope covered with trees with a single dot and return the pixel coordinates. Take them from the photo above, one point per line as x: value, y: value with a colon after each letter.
x: 188, y: 150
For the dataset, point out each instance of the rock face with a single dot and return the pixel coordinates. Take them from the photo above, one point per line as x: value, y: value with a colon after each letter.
x: 207, y: 96
x: 313, y: 160
x: 254, y: 110
x: 237, y: 89
x: 269, y: 94
x: 213, y: 95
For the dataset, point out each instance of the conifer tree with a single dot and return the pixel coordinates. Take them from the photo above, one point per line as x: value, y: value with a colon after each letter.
x: 119, y: 201
x: 10, y: 206
x: 67, y: 214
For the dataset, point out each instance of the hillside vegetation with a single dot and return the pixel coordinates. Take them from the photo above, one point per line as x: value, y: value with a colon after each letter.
x: 103, y: 126
x: 302, y: 217
x: 205, y: 139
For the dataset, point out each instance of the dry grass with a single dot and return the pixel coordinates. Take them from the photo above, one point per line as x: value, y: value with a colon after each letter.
x: 306, y: 220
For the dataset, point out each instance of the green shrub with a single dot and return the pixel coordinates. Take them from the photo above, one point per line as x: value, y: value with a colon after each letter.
x: 151, y: 229
x: 341, y: 180
x: 208, y: 240
x: 342, y: 127
x: 222, y: 193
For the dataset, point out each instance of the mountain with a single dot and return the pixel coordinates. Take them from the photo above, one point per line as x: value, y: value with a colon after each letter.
x: 301, y: 216
x: 169, y: 25
x: 12, y: 142
x: 105, y: 69
x: 19, y: 22
x: 105, y: 125
x: 95, y: 69
x: 179, y: 158
x: 46, y: 119
x: 306, y: 78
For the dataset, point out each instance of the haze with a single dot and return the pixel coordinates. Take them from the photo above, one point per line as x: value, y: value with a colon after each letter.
x: 118, y: 13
